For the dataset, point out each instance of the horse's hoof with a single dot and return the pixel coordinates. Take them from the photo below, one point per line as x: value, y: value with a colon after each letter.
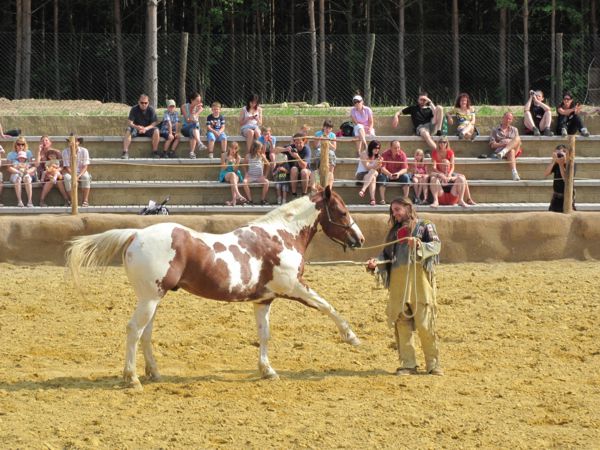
x: 134, y: 385
x: 152, y: 374
x: 269, y: 375
x: 352, y: 339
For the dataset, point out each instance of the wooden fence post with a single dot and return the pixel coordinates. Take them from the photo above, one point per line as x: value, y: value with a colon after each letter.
x: 324, y: 164
x: 569, y: 182
x: 74, y: 182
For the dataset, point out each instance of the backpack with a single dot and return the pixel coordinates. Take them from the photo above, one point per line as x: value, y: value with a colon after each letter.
x: 347, y: 128
x: 156, y: 210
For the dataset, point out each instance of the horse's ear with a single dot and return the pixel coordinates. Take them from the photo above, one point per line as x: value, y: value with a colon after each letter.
x: 327, y: 192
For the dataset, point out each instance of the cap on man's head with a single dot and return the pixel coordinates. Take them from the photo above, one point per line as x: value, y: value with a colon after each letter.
x: 21, y: 154
x: 171, y: 102
x: 357, y: 98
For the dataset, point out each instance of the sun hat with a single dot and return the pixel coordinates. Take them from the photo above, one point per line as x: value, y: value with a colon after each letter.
x: 171, y: 103
x: 21, y: 154
x: 357, y: 98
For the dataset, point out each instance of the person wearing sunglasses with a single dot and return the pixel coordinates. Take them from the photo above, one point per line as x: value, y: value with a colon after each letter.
x: 569, y: 117
x: 142, y: 122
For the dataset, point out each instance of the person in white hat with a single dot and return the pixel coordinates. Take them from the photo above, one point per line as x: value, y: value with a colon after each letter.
x: 362, y: 116
x: 169, y: 130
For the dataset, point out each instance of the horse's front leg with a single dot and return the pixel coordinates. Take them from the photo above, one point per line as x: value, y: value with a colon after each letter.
x: 142, y: 316
x: 261, y: 313
x: 310, y: 298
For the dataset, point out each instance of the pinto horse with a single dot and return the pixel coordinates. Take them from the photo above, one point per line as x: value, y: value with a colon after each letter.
x: 255, y: 263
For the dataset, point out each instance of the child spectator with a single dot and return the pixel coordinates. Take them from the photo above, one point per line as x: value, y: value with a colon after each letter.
x: 280, y: 177
x: 269, y: 143
x: 21, y: 173
x: 254, y: 164
x: 230, y: 173
x: 51, y: 177
x: 168, y: 130
x: 215, y: 124
x: 84, y: 178
x: 419, y: 176
x: 45, y: 153
x: 325, y: 132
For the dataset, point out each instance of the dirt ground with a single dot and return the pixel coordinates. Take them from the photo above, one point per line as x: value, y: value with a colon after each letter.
x: 520, y: 346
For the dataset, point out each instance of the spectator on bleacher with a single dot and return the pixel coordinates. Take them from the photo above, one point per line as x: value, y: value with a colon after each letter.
x: 465, y: 117
x: 506, y: 143
x: 281, y: 177
x: 190, y: 122
x: 19, y: 145
x: 426, y: 118
x: 269, y: 143
x: 362, y: 116
x: 369, y: 172
x: 419, y: 177
x: 142, y: 123
x: 447, y: 187
x: 9, y: 133
x: 444, y: 152
x: 230, y: 173
x: 84, y: 178
x: 299, y: 157
x: 254, y: 164
x: 21, y: 173
x: 45, y: 153
x: 558, y: 167
x: 215, y: 129
x: 538, y: 116
x: 395, y: 169
x: 169, y: 130
x: 325, y: 132
x: 569, y: 117
x: 251, y: 117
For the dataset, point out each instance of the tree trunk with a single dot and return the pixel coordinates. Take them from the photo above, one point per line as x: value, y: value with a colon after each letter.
x: 119, y: 45
x: 401, y: 53
x: 292, y: 61
x: 19, y: 49
x: 526, y: 85
x: 234, y: 62
x: 421, y: 52
x: 594, y: 25
x: 151, y: 79
x: 553, y: 93
x: 57, y: 93
x: 368, y: 66
x: 26, y: 71
x: 183, y: 56
x: 455, y: 49
x: 502, y: 58
x: 313, y: 52
x: 262, y: 78
x: 559, y: 64
x: 322, y: 50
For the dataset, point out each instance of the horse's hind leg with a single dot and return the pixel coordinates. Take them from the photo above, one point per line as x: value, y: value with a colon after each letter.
x: 310, y: 298
x: 261, y: 313
x: 142, y: 316
x: 151, y: 368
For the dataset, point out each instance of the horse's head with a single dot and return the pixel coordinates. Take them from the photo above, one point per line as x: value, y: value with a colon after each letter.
x: 336, y: 221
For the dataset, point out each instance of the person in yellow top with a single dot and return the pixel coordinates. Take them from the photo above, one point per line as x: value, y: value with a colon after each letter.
x: 408, y: 268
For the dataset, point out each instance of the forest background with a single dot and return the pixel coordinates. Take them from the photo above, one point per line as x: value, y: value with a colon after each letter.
x: 313, y: 50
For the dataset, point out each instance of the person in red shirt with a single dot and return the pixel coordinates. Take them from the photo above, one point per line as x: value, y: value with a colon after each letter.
x: 395, y: 167
x: 442, y: 152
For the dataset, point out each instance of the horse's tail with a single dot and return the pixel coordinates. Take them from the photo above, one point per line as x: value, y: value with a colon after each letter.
x: 97, y: 250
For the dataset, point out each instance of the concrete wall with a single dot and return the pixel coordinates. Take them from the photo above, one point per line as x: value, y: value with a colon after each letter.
x: 465, y: 238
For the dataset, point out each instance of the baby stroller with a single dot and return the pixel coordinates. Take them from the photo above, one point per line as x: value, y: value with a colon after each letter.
x: 154, y: 209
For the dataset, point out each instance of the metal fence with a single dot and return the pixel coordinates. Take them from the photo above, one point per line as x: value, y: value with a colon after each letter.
x: 228, y: 68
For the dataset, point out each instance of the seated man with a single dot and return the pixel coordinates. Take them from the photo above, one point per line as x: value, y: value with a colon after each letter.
x: 142, y: 123
x: 506, y: 143
x: 538, y: 115
x: 298, y: 155
x: 395, y: 169
x: 426, y: 118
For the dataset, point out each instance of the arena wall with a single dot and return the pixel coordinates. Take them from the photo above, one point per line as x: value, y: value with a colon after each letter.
x: 465, y: 237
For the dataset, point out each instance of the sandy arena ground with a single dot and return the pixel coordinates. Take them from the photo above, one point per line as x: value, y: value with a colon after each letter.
x: 520, y: 345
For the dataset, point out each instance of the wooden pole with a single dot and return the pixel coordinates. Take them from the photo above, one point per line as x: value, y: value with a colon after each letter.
x: 569, y: 182
x: 74, y: 181
x: 324, y: 164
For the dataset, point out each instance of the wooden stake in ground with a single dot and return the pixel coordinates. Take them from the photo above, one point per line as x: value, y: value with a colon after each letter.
x: 324, y: 164
x: 74, y: 180
x: 569, y: 182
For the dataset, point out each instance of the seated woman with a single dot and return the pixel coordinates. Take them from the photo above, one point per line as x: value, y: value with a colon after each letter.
x: 442, y: 152
x: 569, y: 117
x: 362, y: 116
x: 251, y: 120
x: 465, y: 117
x: 447, y: 188
x: 254, y: 164
x: 368, y: 171
x: 230, y: 173
x: 419, y: 177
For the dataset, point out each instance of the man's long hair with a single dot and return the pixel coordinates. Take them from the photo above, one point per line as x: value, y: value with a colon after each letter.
x: 412, y: 213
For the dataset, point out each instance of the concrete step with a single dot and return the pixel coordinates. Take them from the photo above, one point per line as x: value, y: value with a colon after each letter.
x: 202, y: 192
x: 111, y: 146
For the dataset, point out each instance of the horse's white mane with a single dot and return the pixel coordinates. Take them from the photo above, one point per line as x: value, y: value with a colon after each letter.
x: 301, y: 210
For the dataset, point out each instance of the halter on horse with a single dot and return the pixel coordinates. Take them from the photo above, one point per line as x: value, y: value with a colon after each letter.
x: 255, y: 263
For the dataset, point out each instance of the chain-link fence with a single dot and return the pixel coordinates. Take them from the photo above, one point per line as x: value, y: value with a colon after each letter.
x: 228, y: 68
